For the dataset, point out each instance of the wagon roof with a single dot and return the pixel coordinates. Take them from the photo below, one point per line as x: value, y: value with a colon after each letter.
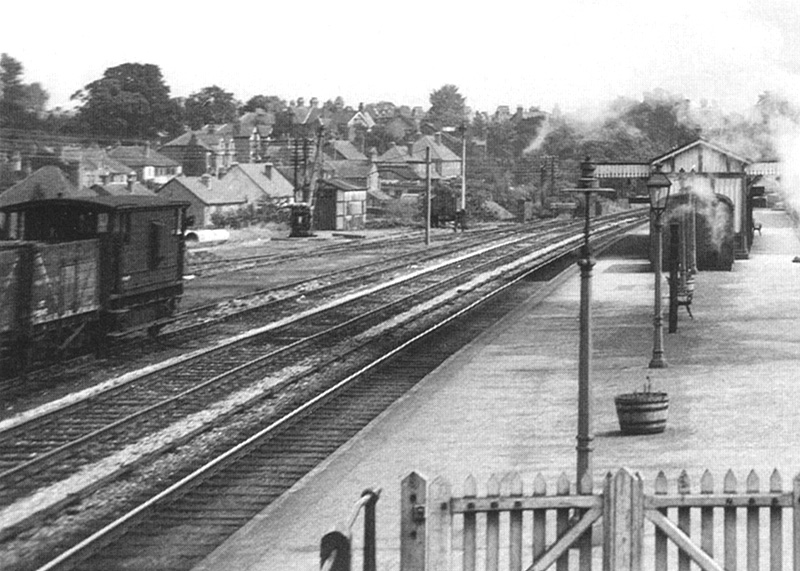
x: 128, y: 202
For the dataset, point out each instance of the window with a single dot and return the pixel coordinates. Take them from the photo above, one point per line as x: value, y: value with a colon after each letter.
x: 155, y: 244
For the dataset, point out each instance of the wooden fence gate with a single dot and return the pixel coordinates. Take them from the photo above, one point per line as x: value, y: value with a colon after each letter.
x: 579, y: 531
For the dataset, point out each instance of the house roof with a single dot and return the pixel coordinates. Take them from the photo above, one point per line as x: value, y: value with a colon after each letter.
x: 347, y: 149
x: 43, y: 184
x: 438, y: 151
x: 269, y: 185
x: 697, y: 142
x: 379, y: 195
x: 121, y: 189
x: 94, y: 158
x: 398, y: 171
x: 350, y: 169
x: 135, y: 156
x: 210, y: 190
x: 395, y: 154
x: 206, y: 137
x: 341, y: 184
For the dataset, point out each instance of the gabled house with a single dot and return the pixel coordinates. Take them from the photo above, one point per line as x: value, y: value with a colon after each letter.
x: 206, y: 195
x: 260, y: 181
x: 93, y: 165
x: 151, y: 167
x: 205, y: 151
x: 361, y: 174
x: 340, y: 150
x: 445, y: 163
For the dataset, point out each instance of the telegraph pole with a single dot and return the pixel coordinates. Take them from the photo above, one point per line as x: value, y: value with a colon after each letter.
x: 427, y: 196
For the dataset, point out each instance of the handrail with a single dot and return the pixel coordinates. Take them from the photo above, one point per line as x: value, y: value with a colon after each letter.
x: 335, y: 553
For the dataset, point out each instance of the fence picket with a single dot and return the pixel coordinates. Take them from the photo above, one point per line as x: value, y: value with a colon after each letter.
x: 413, y: 493
x: 729, y: 487
x: 796, y: 523
x: 585, y: 544
x: 539, y: 518
x: 753, y: 555
x: 427, y: 527
x: 493, y: 527
x: 562, y: 519
x: 440, y: 521
x: 684, y: 520
x: 512, y: 486
x: 661, y: 537
x: 470, y: 535
x: 775, y: 525
x: 707, y: 516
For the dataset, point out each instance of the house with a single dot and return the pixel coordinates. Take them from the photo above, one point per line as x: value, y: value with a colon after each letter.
x: 362, y: 174
x: 445, y: 163
x: 268, y: 182
x: 93, y: 165
x: 206, y: 195
x: 151, y: 167
x: 209, y: 150
x: 340, y: 150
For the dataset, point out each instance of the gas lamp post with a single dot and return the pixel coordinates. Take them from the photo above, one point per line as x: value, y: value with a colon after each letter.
x: 587, y: 185
x: 658, y: 186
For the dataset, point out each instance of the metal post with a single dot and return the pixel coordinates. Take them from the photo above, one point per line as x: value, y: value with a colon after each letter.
x: 427, y: 196
x: 463, y: 167
x: 674, y: 280
x: 584, y: 438
x: 658, y: 362
x: 369, y: 563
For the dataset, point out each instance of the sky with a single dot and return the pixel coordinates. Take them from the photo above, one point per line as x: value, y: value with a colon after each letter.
x: 574, y: 54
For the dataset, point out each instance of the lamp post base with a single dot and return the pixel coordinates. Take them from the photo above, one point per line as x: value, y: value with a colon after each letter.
x: 657, y: 362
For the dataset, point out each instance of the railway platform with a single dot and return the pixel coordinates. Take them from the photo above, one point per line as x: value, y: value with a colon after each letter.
x: 508, y: 401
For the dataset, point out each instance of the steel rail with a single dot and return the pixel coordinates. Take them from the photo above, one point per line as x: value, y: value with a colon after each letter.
x: 101, y: 537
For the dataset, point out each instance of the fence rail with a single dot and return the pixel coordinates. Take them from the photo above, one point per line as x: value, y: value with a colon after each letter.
x: 579, y: 531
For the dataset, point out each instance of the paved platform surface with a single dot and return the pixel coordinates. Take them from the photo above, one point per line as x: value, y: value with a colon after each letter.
x: 508, y: 401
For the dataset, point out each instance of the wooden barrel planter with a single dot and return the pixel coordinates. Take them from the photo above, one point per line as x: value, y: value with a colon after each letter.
x: 642, y: 413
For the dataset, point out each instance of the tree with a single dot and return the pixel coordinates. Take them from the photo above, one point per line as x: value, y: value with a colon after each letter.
x: 210, y: 105
x: 130, y: 100
x: 447, y: 107
x: 271, y: 103
x: 21, y: 104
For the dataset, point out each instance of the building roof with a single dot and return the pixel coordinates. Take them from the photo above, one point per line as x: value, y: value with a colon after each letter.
x: 135, y: 156
x: 43, y: 184
x: 395, y: 154
x: 121, y: 189
x: 439, y: 152
x: 206, y: 138
x: 350, y: 169
x: 341, y: 184
x: 209, y: 189
x: 347, y: 150
x: 94, y: 158
x: 270, y: 185
x: 399, y: 171
x: 697, y: 142
x: 379, y: 195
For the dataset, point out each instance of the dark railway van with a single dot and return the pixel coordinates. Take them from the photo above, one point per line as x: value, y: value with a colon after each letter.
x: 76, y: 270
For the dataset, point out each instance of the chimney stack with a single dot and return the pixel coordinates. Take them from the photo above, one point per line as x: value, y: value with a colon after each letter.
x: 205, y: 179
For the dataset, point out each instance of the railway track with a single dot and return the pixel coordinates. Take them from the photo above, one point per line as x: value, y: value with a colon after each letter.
x: 198, y: 325
x: 346, y: 331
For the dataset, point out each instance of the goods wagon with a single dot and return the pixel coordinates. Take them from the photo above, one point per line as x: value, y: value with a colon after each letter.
x: 76, y: 271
